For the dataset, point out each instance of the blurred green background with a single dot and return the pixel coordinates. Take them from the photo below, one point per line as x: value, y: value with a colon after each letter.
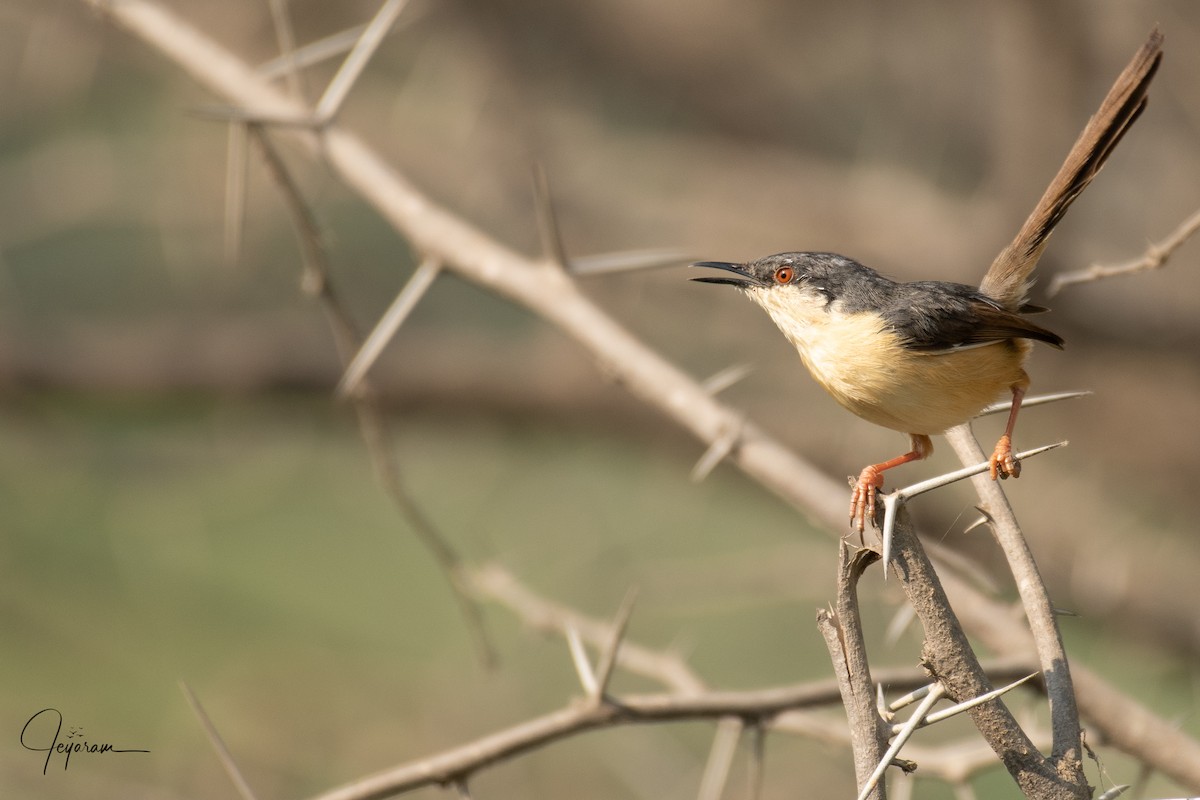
x: 183, y: 499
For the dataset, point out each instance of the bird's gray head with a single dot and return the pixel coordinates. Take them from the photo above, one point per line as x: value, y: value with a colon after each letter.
x: 817, y: 277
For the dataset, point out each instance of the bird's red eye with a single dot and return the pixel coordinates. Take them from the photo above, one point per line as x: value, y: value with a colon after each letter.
x: 784, y: 275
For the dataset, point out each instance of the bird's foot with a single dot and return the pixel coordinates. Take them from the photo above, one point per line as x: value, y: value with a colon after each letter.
x: 862, y: 499
x: 1003, y: 464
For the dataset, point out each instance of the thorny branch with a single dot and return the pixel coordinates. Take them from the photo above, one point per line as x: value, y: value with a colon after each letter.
x: 689, y: 698
x: 950, y: 658
x: 1156, y: 256
x: 1052, y: 656
x: 844, y: 639
x: 550, y: 292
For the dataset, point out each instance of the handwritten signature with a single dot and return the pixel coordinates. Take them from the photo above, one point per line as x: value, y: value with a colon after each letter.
x: 74, y: 742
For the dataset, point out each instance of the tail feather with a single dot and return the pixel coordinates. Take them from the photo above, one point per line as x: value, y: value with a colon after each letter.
x: 1007, y: 280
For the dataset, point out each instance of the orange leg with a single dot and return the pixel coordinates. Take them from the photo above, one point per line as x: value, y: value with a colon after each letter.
x: 862, y: 500
x: 1003, y: 463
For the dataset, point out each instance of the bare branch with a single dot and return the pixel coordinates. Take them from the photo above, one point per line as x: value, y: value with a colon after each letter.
x: 460, y: 762
x: 1064, y: 714
x: 844, y: 639
x: 1156, y: 255
x: 949, y: 657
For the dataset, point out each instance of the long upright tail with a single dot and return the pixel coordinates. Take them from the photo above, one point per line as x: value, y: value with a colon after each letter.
x: 1007, y: 280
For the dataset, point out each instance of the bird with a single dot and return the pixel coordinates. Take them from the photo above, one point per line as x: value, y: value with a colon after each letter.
x: 921, y: 357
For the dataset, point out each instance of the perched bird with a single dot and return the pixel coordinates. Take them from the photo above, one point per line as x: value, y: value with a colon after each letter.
x: 924, y: 356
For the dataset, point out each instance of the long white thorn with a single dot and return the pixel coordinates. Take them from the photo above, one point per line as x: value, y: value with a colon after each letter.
x: 387, y: 326
x: 1030, y: 402
x: 716, y: 453
x: 967, y: 705
x: 892, y: 500
x: 905, y: 731
x: 583, y: 666
x: 331, y: 102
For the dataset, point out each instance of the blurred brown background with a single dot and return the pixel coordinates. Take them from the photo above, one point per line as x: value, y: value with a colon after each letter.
x: 912, y: 136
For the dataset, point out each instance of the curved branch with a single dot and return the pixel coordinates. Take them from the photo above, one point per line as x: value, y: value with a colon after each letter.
x: 949, y: 656
x: 1056, y: 672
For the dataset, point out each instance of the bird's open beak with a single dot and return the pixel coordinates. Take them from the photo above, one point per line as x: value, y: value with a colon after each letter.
x: 745, y: 281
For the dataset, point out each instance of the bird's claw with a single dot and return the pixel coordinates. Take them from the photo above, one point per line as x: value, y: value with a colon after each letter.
x: 1003, y: 464
x: 862, y: 499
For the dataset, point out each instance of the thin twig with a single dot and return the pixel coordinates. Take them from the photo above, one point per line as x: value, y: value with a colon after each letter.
x: 758, y: 746
x: 627, y: 261
x: 285, y: 36
x: 553, y: 247
x: 218, y: 744
x: 331, y: 101
x: 715, y: 454
x: 406, y: 300
x: 720, y: 381
x: 893, y: 500
x: 612, y: 646
x: 720, y: 759
x: 583, y: 666
x: 312, y: 53
x: 1156, y: 255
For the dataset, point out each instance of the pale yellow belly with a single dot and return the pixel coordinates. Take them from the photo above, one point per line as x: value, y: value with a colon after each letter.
x: 928, y: 393
x: 870, y: 373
